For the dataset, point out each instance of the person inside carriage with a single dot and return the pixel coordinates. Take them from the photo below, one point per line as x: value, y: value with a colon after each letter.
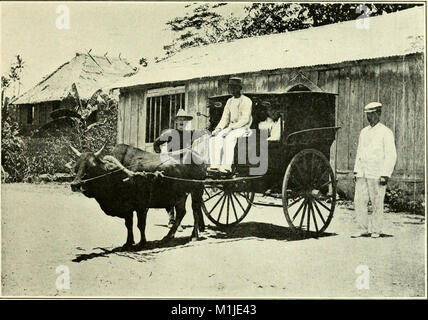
x: 235, y: 123
x: 270, y: 121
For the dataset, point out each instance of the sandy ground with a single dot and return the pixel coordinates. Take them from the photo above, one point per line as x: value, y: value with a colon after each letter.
x: 46, y: 226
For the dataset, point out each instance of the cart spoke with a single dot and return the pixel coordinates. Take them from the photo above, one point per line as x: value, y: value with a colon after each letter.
x: 298, y: 210
x: 233, y: 207
x: 221, y: 208
x: 320, y: 179
x: 317, y: 172
x: 298, y: 183
x: 243, y: 195
x: 303, y: 180
x: 313, y: 215
x: 236, y: 198
x: 304, y: 164
x: 295, y: 201
x: 228, y: 201
x: 205, y: 190
x: 210, y: 197
x: 212, y: 209
x: 308, y: 227
x: 324, y: 185
x: 322, y: 204
x: 303, y: 215
x: 319, y: 212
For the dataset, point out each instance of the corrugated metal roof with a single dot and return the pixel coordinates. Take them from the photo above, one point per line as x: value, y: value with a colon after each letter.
x: 82, y: 70
x: 388, y: 35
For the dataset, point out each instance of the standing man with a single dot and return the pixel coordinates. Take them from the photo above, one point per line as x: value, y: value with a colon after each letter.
x: 235, y: 123
x: 185, y: 135
x: 182, y: 118
x: 375, y: 161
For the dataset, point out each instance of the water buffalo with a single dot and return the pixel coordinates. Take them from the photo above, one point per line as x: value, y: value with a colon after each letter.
x: 103, y: 179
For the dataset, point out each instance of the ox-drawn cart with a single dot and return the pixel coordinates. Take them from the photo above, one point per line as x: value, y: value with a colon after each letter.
x: 298, y: 164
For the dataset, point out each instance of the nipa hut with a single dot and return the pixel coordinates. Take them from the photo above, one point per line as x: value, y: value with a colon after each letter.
x: 68, y: 87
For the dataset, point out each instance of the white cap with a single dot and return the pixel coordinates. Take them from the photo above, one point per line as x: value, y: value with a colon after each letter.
x: 372, y: 106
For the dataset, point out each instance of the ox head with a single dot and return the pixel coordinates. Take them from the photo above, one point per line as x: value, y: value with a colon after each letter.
x: 88, y: 165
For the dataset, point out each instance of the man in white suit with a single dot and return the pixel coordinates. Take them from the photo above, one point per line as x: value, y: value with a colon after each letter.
x: 235, y: 123
x: 374, y: 164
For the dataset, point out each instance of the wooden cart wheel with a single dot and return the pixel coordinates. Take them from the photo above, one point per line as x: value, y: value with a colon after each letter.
x: 225, y: 207
x: 309, y: 192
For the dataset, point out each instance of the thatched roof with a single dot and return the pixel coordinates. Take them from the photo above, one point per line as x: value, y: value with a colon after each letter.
x: 85, y: 72
x: 395, y: 34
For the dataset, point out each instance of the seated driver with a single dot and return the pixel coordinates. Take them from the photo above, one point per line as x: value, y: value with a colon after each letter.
x: 235, y: 123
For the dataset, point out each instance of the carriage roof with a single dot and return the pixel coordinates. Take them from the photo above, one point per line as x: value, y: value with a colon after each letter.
x: 274, y: 94
x: 300, y: 110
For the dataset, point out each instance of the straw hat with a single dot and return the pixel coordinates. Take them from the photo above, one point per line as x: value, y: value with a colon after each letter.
x: 183, y: 115
x: 373, y: 106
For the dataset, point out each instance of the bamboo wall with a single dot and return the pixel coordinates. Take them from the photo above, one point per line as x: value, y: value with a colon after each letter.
x: 398, y: 83
x: 41, y: 114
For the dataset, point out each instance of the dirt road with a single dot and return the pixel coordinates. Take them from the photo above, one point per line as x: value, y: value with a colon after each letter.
x: 47, y: 226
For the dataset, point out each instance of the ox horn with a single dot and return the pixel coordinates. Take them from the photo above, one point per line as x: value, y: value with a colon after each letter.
x: 97, y: 154
x: 76, y: 152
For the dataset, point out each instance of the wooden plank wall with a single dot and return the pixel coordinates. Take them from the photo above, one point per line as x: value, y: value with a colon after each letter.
x: 197, y: 93
x: 131, y: 119
x: 398, y: 84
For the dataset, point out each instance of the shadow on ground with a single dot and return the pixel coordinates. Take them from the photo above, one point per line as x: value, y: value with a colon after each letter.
x: 264, y: 231
x: 212, y: 235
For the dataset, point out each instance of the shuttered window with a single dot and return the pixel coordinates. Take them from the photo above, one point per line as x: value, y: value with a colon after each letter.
x: 161, y: 109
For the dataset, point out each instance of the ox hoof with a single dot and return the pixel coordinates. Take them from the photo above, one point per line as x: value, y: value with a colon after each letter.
x: 167, y: 238
x: 127, y: 247
x: 140, y: 245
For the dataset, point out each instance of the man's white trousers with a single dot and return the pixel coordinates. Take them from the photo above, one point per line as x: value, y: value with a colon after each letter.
x: 222, y: 148
x: 369, y: 189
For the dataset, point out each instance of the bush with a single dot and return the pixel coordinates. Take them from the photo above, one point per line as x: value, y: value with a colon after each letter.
x: 13, y: 158
x: 47, y: 155
x: 400, y: 200
x: 26, y: 158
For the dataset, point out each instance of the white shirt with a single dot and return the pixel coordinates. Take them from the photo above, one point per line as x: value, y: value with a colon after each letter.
x: 236, y: 113
x: 273, y: 127
x: 376, y: 153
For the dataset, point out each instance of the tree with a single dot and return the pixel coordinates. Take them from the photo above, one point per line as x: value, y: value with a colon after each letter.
x: 10, y: 81
x: 268, y: 18
x: 13, y: 161
x: 15, y: 73
x: 202, y: 26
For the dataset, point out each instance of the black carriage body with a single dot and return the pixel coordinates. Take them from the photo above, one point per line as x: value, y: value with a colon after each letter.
x: 307, y: 122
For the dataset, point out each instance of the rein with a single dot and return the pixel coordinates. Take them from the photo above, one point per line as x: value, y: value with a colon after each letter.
x: 178, y: 152
x: 114, y: 171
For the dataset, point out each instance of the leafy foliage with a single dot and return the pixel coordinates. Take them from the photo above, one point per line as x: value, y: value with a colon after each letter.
x: 48, y: 152
x: 404, y: 201
x: 12, y: 79
x: 202, y: 26
x: 13, y: 160
x: 268, y: 18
